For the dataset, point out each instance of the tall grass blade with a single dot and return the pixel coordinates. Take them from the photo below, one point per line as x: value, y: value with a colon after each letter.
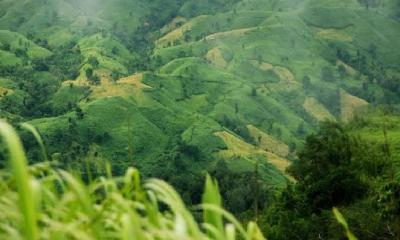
x: 342, y: 221
x: 22, y: 179
x: 230, y: 232
x: 228, y: 216
x: 211, y: 196
x: 38, y: 138
x: 166, y: 194
x: 253, y: 232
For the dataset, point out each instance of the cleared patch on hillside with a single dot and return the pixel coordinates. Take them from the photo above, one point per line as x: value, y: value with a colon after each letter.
x: 123, y: 87
x: 280, y: 163
x: 135, y: 80
x: 104, y: 75
x: 267, y: 142
x: 238, y: 147
x: 349, y: 69
x: 350, y: 105
x: 334, y: 34
x: 264, y: 66
x: 111, y: 90
x: 285, y: 74
x: 287, y: 79
x: 215, y: 57
x: 178, y: 33
x: 317, y: 110
x: 233, y: 33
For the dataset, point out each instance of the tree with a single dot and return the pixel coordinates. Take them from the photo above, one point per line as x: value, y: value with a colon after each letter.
x: 79, y: 113
x: 94, y: 62
x: 254, y: 92
x: 306, y: 81
x: 239, y: 183
x: 259, y: 59
x: 342, y: 71
x: 278, y: 132
x: 327, y: 74
x: 95, y: 80
x: 115, y: 76
x: 369, y: 3
x: 373, y: 50
x: 89, y: 73
x: 6, y: 47
x: 397, y: 11
x: 300, y: 129
x: 324, y: 169
x: 114, y: 50
x: 326, y: 175
x: 343, y: 55
x: 40, y: 64
x: 21, y: 53
x: 187, y: 37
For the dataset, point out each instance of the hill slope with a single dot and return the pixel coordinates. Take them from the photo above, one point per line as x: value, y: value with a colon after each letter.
x: 185, y: 84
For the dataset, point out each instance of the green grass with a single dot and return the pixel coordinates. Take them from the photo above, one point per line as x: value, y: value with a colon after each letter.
x: 102, y: 49
x: 24, y: 184
x: 67, y: 95
x: 18, y: 41
x: 372, y: 127
x: 55, y: 204
x: 8, y: 59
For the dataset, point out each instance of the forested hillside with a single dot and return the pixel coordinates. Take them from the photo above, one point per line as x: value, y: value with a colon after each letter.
x: 179, y: 88
x: 355, y: 167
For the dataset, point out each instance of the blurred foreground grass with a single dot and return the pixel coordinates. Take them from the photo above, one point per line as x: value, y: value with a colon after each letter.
x: 43, y: 202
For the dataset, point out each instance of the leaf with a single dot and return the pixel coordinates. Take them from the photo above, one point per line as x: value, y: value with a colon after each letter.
x: 22, y: 178
x: 339, y: 217
x: 212, y: 196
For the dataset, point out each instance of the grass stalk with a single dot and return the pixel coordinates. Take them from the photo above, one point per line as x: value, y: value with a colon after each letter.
x: 22, y: 179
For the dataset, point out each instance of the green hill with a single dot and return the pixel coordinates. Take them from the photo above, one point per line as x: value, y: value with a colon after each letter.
x: 185, y: 85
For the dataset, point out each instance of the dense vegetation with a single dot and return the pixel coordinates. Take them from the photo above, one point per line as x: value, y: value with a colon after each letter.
x: 41, y: 202
x: 355, y: 167
x: 234, y: 88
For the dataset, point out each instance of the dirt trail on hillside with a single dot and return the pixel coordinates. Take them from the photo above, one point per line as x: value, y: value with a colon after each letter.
x: 334, y: 34
x: 178, y: 33
x: 232, y: 33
